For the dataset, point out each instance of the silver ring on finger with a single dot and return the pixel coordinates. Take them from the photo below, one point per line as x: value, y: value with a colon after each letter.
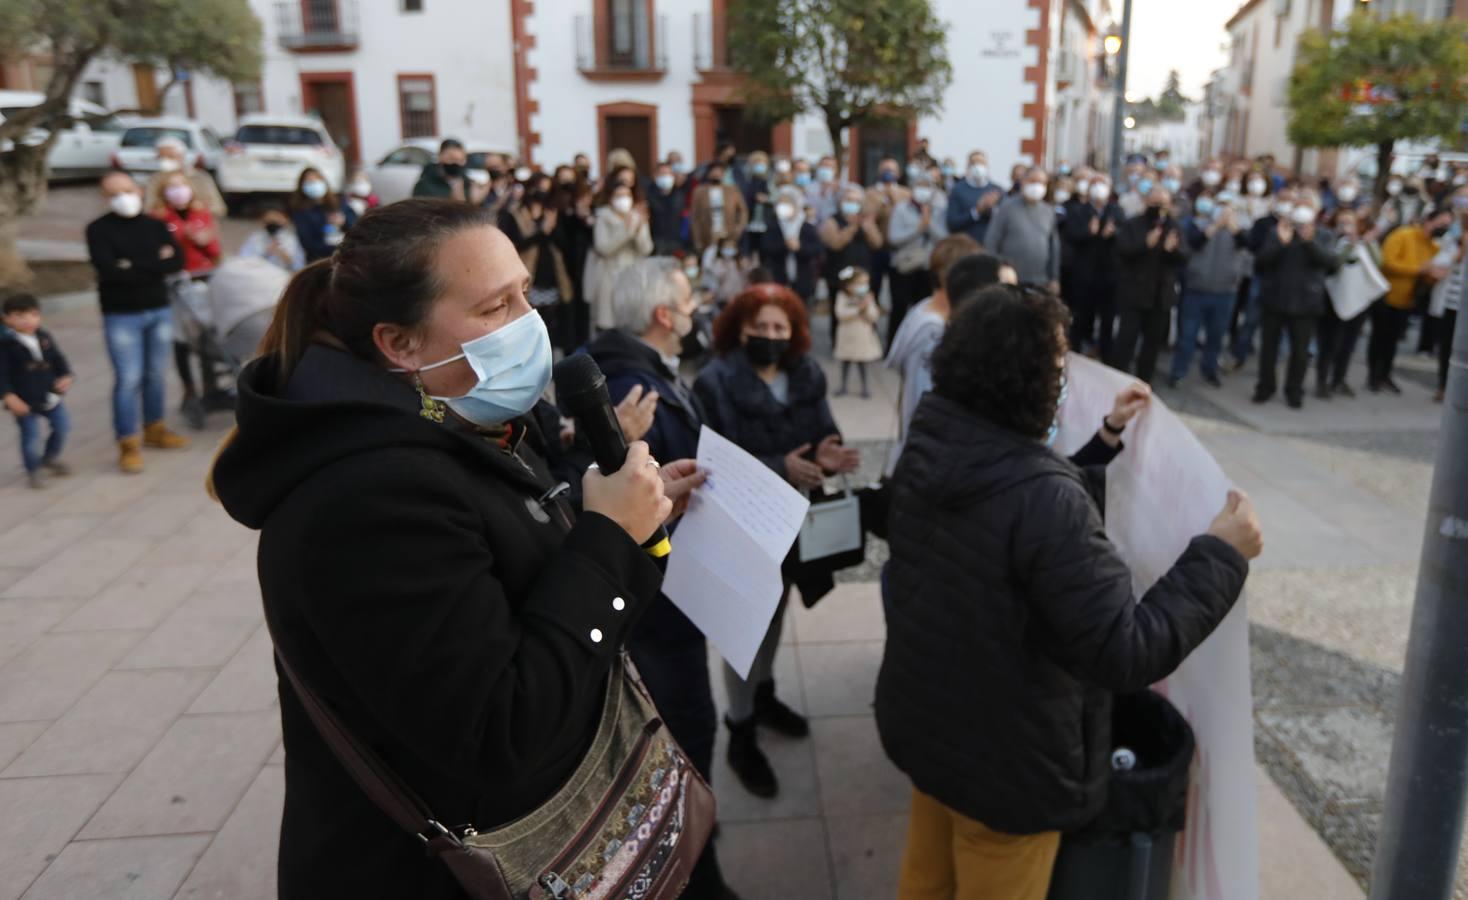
x: 654, y: 463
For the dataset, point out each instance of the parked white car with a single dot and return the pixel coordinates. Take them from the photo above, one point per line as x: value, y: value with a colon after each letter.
x: 394, y: 176
x: 269, y: 153
x: 137, y: 153
x: 89, y: 134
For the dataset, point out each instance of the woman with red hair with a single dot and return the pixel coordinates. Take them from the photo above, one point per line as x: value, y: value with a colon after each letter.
x: 767, y: 394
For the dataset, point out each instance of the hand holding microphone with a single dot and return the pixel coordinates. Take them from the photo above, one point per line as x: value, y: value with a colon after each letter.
x: 633, y: 496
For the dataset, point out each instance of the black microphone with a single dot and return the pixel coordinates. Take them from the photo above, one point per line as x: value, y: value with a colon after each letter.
x: 581, y: 390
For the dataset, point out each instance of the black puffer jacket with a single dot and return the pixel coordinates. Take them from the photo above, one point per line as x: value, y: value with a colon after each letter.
x: 741, y: 407
x: 1011, y: 620
x: 1149, y: 275
x: 1292, y: 276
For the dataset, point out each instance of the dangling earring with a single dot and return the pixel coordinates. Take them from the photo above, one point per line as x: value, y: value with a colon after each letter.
x: 432, y: 409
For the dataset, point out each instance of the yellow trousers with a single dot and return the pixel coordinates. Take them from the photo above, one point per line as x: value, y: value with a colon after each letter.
x: 952, y: 857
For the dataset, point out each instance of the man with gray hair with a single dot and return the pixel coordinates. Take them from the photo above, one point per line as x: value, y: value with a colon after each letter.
x: 1025, y: 232
x: 652, y: 312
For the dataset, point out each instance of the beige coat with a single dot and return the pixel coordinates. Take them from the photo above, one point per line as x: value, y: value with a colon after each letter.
x: 736, y: 215
x: 614, y: 248
x: 856, y: 329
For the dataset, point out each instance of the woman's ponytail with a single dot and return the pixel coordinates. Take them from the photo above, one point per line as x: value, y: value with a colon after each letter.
x: 298, y: 316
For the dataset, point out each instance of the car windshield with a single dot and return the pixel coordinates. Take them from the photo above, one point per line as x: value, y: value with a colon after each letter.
x: 278, y: 134
x: 149, y: 137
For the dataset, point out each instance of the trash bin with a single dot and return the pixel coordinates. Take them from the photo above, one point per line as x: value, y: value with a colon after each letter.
x: 1127, y: 852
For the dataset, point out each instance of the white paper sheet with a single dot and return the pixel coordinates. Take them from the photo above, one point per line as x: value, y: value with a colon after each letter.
x: 1162, y: 490
x: 724, y: 571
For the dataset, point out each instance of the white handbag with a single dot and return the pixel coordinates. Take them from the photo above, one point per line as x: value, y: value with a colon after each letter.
x: 832, y: 527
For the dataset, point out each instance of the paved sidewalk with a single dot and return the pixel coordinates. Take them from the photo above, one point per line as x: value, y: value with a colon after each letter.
x: 139, y: 734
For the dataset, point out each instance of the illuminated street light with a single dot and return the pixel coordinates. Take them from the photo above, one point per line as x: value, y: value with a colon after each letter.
x: 1130, y: 122
x: 1133, y: 97
x: 1113, y: 44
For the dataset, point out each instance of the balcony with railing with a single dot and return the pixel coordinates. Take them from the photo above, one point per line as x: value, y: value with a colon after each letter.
x: 623, y: 45
x: 710, y: 43
x: 317, y: 25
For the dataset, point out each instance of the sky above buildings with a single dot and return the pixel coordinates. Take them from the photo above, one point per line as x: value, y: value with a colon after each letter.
x: 1186, y: 35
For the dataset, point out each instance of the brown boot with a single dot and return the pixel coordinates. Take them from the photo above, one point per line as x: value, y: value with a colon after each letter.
x: 157, y: 435
x: 130, y: 458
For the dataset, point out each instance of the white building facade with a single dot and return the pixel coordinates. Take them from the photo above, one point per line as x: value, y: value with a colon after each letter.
x: 553, y: 78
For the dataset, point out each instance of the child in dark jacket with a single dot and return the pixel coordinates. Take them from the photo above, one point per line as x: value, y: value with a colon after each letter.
x: 33, y: 376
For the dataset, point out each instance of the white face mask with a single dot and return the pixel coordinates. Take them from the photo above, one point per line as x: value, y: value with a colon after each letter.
x: 784, y: 210
x: 1211, y: 178
x: 126, y: 205
x: 1393, y: 188
x: 1083, y: 188
x: 922, y: 194
x: 622, y: 204
x: 783, y: 166
x: 1284, y: 210
x: 978, y: 173
x: 361, y: 188
x: 1034, y: 192
x: 1257, y: 186
x: 1100, y: 192
x: 523, y: 174
x: 1234, y: 187
x: 1062, y: 196
x: 1348, y: 193
x: 1302, y: 215
x: 168, y: 164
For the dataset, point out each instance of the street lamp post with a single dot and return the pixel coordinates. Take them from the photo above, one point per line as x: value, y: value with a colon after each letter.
x: 1119, y: 113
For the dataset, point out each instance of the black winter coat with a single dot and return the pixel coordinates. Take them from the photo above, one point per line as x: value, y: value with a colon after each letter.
x: 1292, y: 276
x: 1149, y: 275
x: 741, y: 407
x: 1092, y: 258
x: 775, y: 254
x: 417, y: 586
x: 23, y: 375
x: 1011, y: 621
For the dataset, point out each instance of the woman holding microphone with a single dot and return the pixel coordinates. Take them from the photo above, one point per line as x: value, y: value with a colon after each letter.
x: 420, y: 575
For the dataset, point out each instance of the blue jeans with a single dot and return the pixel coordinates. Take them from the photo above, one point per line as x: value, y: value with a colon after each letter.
x: 1206, y: 312
x: 1244, y: 341
x: 140, y: 345
x: 31, y: 452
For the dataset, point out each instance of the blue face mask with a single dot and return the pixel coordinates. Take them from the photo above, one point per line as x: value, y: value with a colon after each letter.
x: 850, y: 208
x: 802, y: 179
x: 1054, y: 431
x: 514, y: 368
x: 1172, y: 185
x: 1144, y: 186
x: 1205, y: 207
x: 314, y: 189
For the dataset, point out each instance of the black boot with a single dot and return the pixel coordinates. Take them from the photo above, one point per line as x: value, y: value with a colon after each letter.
x: 771, y: 713
x: 748, y: 760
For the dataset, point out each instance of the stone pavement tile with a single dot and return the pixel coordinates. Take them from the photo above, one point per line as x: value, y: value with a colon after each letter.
x: 157, y: 515
x: 770, y: 860
x: 240, y: 572
x: 192, y: 779
x: 209, y: 536
x: 24, y: 620
x: 1345, y: 750
x: 1263, y: 455
x: 852, y: 612
x: 41, y: 816
x: 125, y: 869
x: 19, y: 504
x: 113, y: 726
x: 795, y: 767
x: 241, y: 862
x: 1364, y: 613
x: 56, y: 670
x: 11, y: 574
x: 856, y: 776
x: 229, y: 601
x: 866, y: 855
x: 840, y: 679
x: 35, y: 540
x: 278, y: 757
x: 1403, y: 484
x: 185, y: 642
x: 142, y: 597
x: 787, y: 679
x: 16, y: 736
x: 247, y: 683
x: 101, y: 495
x: 82, y: 568
x: 1295, y: 536
x: 1294, y: 862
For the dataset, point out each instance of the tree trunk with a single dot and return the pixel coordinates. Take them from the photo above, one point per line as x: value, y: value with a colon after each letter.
x: 1383, y: 169
x: 162, y: 103
x: 22, y: 188
x: 834, y: 127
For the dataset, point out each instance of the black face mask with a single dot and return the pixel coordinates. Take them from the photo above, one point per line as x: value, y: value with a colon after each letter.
x: 1439, y: 231
x: 541, y: 197
x: 763, y: 351
x: 496, y: 174
x: 1153, y: 213
x: 273, y: 228
x: 1410, y: 191
x: 453, y: 170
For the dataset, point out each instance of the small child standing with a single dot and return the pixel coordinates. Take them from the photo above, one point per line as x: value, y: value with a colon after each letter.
x: 725, y: 274
x: 856, y: 326
x: 33, y: 376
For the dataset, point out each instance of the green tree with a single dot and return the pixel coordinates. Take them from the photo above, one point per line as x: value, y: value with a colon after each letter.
x: 849, y: 61
x: 74, y: 32
x: 1170, y: 104
x: 1378, y: 81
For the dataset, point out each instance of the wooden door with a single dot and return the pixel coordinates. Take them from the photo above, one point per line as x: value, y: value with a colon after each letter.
x: 332, y: 99
x: 633, y: 134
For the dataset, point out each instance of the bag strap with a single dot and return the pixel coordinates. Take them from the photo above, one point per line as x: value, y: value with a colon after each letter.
x: 374, y: 776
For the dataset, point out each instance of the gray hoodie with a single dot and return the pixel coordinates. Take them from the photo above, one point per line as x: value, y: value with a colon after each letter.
x: 912, y: 347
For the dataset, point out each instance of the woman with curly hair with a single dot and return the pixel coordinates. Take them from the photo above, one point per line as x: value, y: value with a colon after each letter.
x: 767, y: 394
x: 1010, y: 616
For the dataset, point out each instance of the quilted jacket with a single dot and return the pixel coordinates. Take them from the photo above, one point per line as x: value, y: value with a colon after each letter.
x: 1011, y: 620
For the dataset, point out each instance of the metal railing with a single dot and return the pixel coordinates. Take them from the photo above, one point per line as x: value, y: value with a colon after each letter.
x: 316, y: 24
x: 710, y: 42
x: 629, y: 43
